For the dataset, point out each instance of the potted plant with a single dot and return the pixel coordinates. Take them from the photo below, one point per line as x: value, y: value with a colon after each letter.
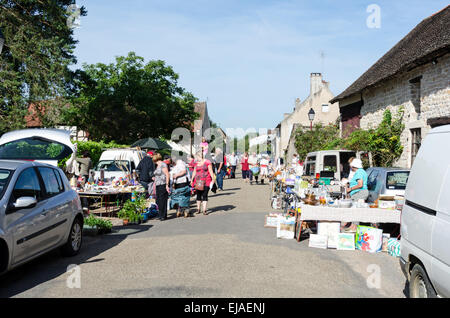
x: 94, y: 225
x: 132, y: 211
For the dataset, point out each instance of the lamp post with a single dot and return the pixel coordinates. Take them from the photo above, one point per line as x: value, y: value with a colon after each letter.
x: 2, y: 41
x: 311, y: 115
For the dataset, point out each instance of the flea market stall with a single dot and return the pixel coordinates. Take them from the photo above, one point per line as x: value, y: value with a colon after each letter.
x: 318, y: 209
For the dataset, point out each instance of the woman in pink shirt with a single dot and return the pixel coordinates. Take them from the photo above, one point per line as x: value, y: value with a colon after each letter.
x: 204, y: 146
x: 245, y: 167
x: 204, y: 174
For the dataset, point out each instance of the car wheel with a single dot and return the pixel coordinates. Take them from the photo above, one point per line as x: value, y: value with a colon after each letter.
x: 73, y: 244
x: 419, y: 284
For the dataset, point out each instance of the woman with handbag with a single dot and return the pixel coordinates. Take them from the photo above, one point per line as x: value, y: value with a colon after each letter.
x: 162, y: 180
x: 181, y: 193
x: 202, y: 178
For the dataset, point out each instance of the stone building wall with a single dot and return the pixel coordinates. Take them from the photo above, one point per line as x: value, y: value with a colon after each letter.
x: 434, y: 96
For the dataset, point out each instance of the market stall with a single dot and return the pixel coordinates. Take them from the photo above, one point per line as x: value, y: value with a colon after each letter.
x: 317, y: 207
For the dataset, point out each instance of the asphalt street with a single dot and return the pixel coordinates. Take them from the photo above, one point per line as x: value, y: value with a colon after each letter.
x: 227, y: 253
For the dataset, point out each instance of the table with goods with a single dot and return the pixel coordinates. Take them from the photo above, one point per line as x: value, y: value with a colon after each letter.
x: 315, y: 207
x: 108, y: 194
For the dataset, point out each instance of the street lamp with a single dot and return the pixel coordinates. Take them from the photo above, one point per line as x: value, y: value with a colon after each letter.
x: 2, y: 41
x: 311, y: 115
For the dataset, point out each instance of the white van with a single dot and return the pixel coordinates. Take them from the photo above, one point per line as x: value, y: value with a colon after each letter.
x: 425, y: 224
x: 333, y: 162
x: 116, y: 161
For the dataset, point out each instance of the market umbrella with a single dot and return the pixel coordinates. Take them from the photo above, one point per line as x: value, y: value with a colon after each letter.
x: 151, y: 143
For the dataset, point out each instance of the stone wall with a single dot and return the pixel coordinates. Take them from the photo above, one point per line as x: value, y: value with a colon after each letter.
x: 433, y: 91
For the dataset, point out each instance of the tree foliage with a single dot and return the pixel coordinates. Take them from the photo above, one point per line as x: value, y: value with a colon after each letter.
x: 383, y: 141
x: 34, y: 62
x: 129, y: 100
x: 319, y: 138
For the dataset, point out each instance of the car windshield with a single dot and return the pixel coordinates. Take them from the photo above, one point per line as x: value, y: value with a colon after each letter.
x: 34, y: 148
x: 396, y: 180
x: 113, y: 165
x: 4, y: 178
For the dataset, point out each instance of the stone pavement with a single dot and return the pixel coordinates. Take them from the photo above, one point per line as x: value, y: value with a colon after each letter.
x: 227, y: 253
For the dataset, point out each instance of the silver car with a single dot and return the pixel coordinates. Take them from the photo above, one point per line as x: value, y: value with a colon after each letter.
x: 39, y: 212
x: 386, y: 181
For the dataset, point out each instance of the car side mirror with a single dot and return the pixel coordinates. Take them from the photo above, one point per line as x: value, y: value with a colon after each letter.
x: 22, y: 203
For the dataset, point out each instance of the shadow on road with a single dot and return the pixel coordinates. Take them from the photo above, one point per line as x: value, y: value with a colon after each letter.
x: 221, y: 208
x: 52, y: 264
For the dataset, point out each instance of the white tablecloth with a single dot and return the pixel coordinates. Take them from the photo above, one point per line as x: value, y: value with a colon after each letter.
x: 365, y: 215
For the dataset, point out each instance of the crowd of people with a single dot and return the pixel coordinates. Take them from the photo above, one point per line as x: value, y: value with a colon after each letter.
x: 164, y: 177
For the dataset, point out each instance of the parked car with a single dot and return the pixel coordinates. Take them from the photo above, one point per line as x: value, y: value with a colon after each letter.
x: 115, y: 162
x: 333, y: 162
x: 42, y: 145
x: 386, y: 181
x: 425, y: 225
x: 38, y: 212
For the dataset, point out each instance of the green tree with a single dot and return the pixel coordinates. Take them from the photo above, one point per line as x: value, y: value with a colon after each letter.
x: 129, y: 100
x: 319, y: 138
x: 383, y: 142
x: 34, y: 63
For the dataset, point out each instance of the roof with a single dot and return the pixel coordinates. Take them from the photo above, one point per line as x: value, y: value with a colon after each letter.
x: 12, y: 164
x: 427, y: 41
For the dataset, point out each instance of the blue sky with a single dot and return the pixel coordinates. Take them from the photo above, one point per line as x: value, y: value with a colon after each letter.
x: 250, y: 59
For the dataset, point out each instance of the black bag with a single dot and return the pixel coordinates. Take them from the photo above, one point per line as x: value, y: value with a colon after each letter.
x: 214, y: 188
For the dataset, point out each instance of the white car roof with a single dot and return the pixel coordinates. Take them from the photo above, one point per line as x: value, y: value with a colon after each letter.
x: 58, y: 135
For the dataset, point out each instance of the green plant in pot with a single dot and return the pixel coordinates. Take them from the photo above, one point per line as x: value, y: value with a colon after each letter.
x: 131, y: 211
x: 101, y: 225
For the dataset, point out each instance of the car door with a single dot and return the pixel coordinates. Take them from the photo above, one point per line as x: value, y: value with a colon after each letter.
x: 57, y: 207
x: 28, y: 226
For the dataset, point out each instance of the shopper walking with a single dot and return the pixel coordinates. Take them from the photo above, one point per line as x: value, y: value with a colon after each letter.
x: 264, y: 166
x: 181, y: 193
x: 245, y: 167
x: 202, y: 179
x: 253, y: 163
x: 233, y: 163
x: 162, y: 180
x: 220, y: 168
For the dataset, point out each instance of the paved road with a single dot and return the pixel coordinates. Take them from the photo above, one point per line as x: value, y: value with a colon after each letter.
x: 225, y: 254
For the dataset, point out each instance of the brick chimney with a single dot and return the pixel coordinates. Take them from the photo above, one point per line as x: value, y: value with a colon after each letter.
x: 316, y: 83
